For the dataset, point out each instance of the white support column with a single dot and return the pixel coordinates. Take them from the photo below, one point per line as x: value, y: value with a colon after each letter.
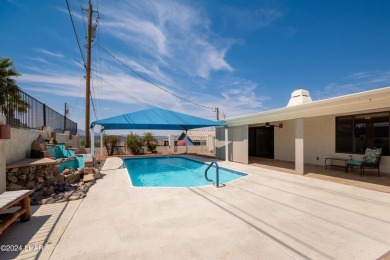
x: 226, y: 144
x: 186, y: 142
x: 92, y: 142
x: 101, y: 142
x: 299, y: 146
x: 171, y: 139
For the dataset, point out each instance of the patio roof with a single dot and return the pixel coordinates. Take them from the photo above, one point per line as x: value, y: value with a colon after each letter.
x: 155, y: 118
x: 353, y: 103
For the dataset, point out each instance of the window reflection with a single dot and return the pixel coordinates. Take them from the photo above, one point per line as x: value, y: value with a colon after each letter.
x: 356, y: 133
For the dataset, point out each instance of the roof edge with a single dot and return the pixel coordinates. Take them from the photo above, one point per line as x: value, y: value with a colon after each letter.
x: 301, y: 110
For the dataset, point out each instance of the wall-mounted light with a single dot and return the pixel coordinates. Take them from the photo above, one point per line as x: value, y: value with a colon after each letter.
x: 267, y: 124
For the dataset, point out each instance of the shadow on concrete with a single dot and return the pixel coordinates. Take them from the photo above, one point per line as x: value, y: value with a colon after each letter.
x: 28, y: 239
x: 278, y: 233
x: 257, y: 227
x: 17, y: 236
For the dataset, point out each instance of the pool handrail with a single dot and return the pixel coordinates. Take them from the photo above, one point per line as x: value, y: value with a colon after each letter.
x: 216, y: 183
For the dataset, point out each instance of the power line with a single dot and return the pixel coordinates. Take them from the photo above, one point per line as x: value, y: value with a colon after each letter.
x: 82, y: 13
x: 93, y: 107
x: 147, y: 80
x: 222, y: 114
x: 96, y: 90
x: 78, y: 96
x: 124, y: 93
x: 97, y: 5
x: 100, y: 73
x: 99, y: 67
x: 75, y: 31
x: 92, y: 95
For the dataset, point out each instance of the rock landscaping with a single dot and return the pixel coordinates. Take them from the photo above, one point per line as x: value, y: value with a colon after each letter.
x: 50, y: 185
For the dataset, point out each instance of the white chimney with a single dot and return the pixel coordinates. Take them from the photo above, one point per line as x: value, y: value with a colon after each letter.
x: 299, y: 97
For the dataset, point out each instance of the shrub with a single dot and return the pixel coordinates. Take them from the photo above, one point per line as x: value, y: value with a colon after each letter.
x: 110, y: 142
x: 134, y: 143
x: 151, y: 147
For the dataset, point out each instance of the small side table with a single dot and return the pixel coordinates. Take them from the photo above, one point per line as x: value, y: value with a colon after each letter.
x: 336, y: 162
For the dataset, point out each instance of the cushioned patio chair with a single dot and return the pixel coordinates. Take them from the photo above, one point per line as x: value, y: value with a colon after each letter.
x: 371, y: 159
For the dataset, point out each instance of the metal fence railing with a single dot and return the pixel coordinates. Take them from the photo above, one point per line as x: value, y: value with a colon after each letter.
x: 22, y: 110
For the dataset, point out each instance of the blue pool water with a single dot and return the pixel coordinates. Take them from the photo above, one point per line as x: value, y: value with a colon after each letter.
x: 174, y: 172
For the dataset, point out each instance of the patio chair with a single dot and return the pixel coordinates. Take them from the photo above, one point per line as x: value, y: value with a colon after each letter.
x: 371, y: 159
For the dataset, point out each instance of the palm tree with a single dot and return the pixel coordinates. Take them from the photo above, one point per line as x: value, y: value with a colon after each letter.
x: 110, y: 142
x: 10, y: 98
x: 148, y: 137
x: 150, y: 142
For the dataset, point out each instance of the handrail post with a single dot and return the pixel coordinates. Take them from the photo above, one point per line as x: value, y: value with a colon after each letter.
x: 217, y: 177
x: 217, y: 174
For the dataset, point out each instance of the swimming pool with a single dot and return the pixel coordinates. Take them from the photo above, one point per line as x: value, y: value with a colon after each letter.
x: 174, y: 171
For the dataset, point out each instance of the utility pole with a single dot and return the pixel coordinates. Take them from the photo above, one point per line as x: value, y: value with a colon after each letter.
x: 65, y: 113
x: 217, y: 110
x: 88, y: 78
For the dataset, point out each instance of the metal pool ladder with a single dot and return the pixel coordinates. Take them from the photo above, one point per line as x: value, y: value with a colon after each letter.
x: 216, y: 183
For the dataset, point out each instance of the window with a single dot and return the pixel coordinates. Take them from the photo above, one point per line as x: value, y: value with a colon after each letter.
x: 356, y: 133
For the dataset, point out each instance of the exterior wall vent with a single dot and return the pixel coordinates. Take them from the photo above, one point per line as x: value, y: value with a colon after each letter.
x: 299, y: 97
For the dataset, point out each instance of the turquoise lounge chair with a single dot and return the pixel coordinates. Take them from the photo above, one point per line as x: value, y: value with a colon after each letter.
x: 371, y: 159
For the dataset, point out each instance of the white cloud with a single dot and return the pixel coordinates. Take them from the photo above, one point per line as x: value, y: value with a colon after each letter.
x: 211, y: 60
x: 132, y: 30
x: 358, y: 75
x: 171, y: 33
x: 53, y: 80
x: 266, y: 16
x: 120, y: 88
x: 242, y: 96
x: 170, y: 43
x: 146, y: 68
x: 250, y: 19
x: 39, y: 59
x: 124, y: 90
x: 353, y: 83
x: 50, y: 53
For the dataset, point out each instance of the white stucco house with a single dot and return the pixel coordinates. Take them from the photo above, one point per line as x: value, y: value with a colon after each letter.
x: 307, y: 132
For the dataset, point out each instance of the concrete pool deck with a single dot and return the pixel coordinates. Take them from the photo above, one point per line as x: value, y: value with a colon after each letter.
x: 265, y: 215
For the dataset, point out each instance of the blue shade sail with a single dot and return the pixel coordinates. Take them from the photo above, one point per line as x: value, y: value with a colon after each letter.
x: 155, y: 118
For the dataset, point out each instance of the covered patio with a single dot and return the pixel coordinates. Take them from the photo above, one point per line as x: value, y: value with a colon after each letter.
x: 370, y: 180
x: 309, y: 132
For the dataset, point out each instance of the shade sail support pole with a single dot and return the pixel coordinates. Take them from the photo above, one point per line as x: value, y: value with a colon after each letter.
x: 186, y: 142
x: 226, y: 144
x: 101, y: 141
x: 92, y: 141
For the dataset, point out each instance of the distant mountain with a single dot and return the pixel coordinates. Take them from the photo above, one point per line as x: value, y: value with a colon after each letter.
x: 81, y: 132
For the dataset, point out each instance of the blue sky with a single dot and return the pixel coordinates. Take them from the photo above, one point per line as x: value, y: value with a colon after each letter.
x: 240, y: 56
